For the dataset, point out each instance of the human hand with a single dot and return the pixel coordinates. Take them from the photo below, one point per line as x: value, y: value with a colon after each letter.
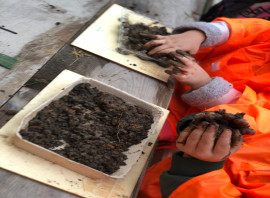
x: 200, y: 143
x: 191, y: 73
x: 188, y: 41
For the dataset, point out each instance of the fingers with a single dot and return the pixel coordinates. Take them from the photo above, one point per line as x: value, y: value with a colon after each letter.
x: 182, y: 68
x: 175, y: 72
x: 183, y: 63
x: 223, y: 145
x: 153, y: 43
x: 237, y: 141
x: 241, y: 123
x: 186, y: 60
x: 159, y: 37
x: 176, y: 63
x: 195, y: 135
x: 244, y: 126
x: 183, y: 53
x: 199, y: 141
x: 207, y: 141
x: 160, y: 45
x: 193, y: 139
x: 149, y: 36
x: 183, y: 135
x: 162, y: 49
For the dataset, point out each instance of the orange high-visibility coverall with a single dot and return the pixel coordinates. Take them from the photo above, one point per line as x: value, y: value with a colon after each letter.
x: 244, y: 60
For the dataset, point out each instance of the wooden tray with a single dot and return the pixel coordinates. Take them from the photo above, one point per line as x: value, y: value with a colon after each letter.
x: 31, y: 166
x: 132, y: 154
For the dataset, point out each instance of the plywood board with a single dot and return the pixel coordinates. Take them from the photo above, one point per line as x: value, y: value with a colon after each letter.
x: 101, y: 38
x: 33, y: 167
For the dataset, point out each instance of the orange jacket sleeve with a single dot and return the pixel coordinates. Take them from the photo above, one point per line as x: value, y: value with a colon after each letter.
x: 243, y: 60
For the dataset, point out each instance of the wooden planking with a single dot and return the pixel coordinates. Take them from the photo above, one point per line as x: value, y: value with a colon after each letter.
x: 12, y: 187
x: 31, y: 166
x: 38, y: 38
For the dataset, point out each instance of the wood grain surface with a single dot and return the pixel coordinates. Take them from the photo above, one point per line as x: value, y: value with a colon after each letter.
x: 42, y: 29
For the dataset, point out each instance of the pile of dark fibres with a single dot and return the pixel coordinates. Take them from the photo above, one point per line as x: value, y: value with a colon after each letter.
x: 90, y: 127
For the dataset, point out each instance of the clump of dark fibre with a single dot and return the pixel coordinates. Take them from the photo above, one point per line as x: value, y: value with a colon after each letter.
x: 90, y: 127
x: 234, y: 122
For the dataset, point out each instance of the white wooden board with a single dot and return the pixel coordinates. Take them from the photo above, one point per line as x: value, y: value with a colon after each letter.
x: 101, y: 38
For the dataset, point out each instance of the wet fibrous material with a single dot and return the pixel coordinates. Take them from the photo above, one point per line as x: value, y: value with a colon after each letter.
x: 90, y: 127
x: 234, y: 122
x: 134, y: 36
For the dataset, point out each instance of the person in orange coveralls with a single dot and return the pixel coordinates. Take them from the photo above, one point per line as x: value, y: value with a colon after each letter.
x: 238, y: 50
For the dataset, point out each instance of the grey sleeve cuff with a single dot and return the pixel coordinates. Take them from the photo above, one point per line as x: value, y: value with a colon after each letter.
x: 216, y: 32
x: 208, y: 94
